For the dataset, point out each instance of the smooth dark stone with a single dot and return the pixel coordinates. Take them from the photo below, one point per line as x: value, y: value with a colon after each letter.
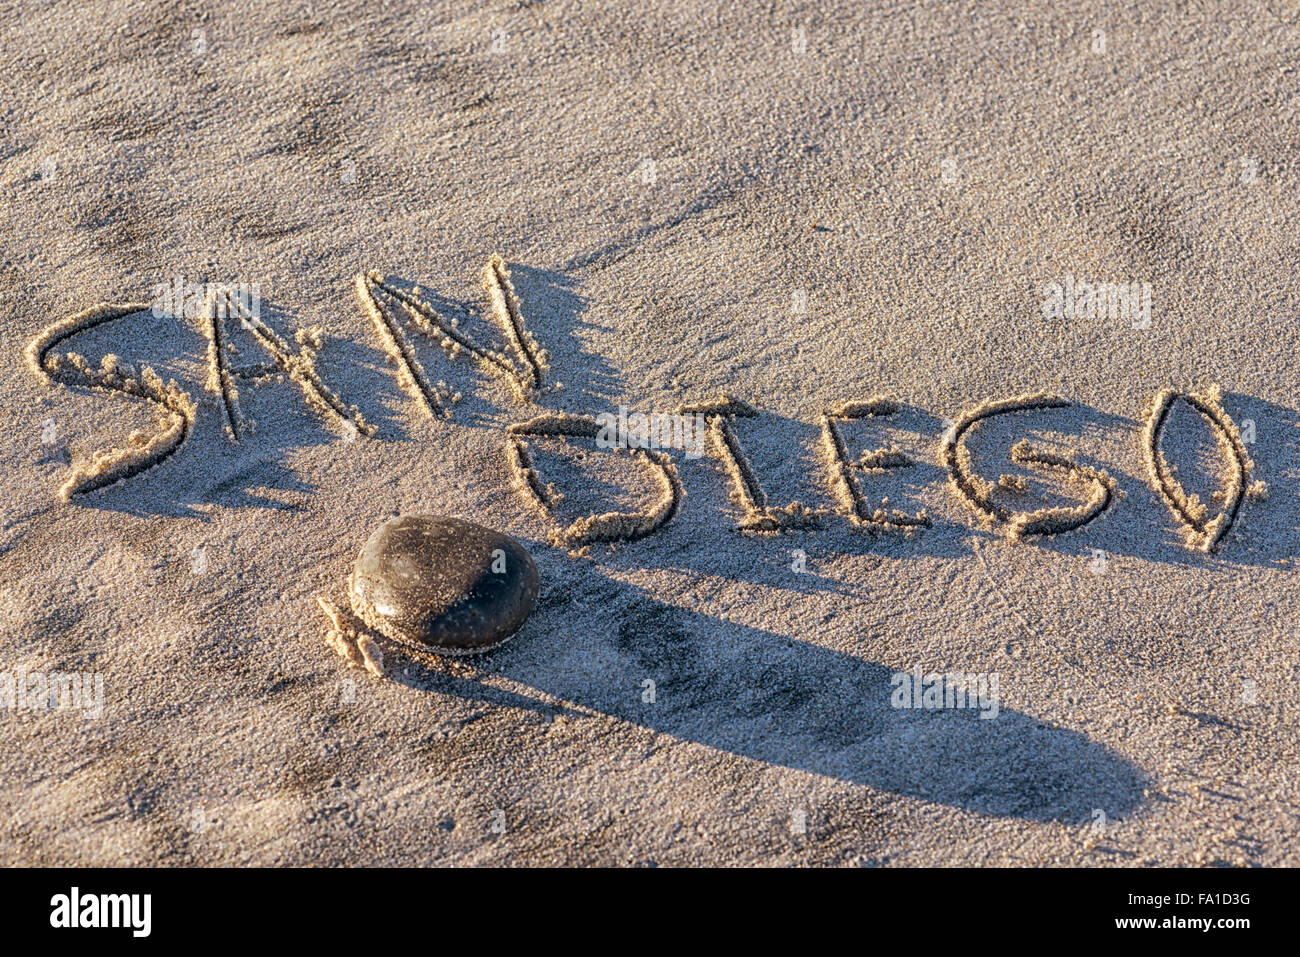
x: 449, y: 585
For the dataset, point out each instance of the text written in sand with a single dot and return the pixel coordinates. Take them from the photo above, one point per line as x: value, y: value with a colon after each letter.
x: 393, y: 309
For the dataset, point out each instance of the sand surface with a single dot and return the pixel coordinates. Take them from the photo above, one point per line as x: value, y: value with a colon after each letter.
x: 798, y: 205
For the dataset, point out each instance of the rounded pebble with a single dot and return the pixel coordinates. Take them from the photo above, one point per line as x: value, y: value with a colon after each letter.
x: 446, y: 584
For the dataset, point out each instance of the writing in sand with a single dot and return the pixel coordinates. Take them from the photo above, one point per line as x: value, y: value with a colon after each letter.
x: 398, y: 312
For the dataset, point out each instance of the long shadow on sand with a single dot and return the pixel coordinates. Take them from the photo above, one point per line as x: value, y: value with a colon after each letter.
x: 766, y: 697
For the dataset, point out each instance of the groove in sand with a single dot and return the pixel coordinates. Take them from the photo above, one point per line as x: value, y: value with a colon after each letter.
x: 377, y: 296
x: 747, y: 491
x: 220, y: 380
x: 843, y: 486
x: 978, y: 494
x: 410, y: 373
x: 300, y: 366
x: 505, y: 304
x: 1202, y: 534
x: 177, y: 407
x: 607, y: 527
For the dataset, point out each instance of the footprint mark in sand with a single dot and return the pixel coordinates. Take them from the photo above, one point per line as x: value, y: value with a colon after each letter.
x: 1203, y: 534
x: 176, y: 407
x: 978, y: 494
x: 747, y: 492
x: 843, y: 485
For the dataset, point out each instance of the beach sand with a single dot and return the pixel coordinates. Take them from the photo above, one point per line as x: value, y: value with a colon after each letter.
x: 797, y: 206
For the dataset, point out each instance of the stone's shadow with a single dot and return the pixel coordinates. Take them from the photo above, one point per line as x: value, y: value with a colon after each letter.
x: 441, y: 676
x: 767, y: 570
x: 769, y: 698
x: 766, y: 560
